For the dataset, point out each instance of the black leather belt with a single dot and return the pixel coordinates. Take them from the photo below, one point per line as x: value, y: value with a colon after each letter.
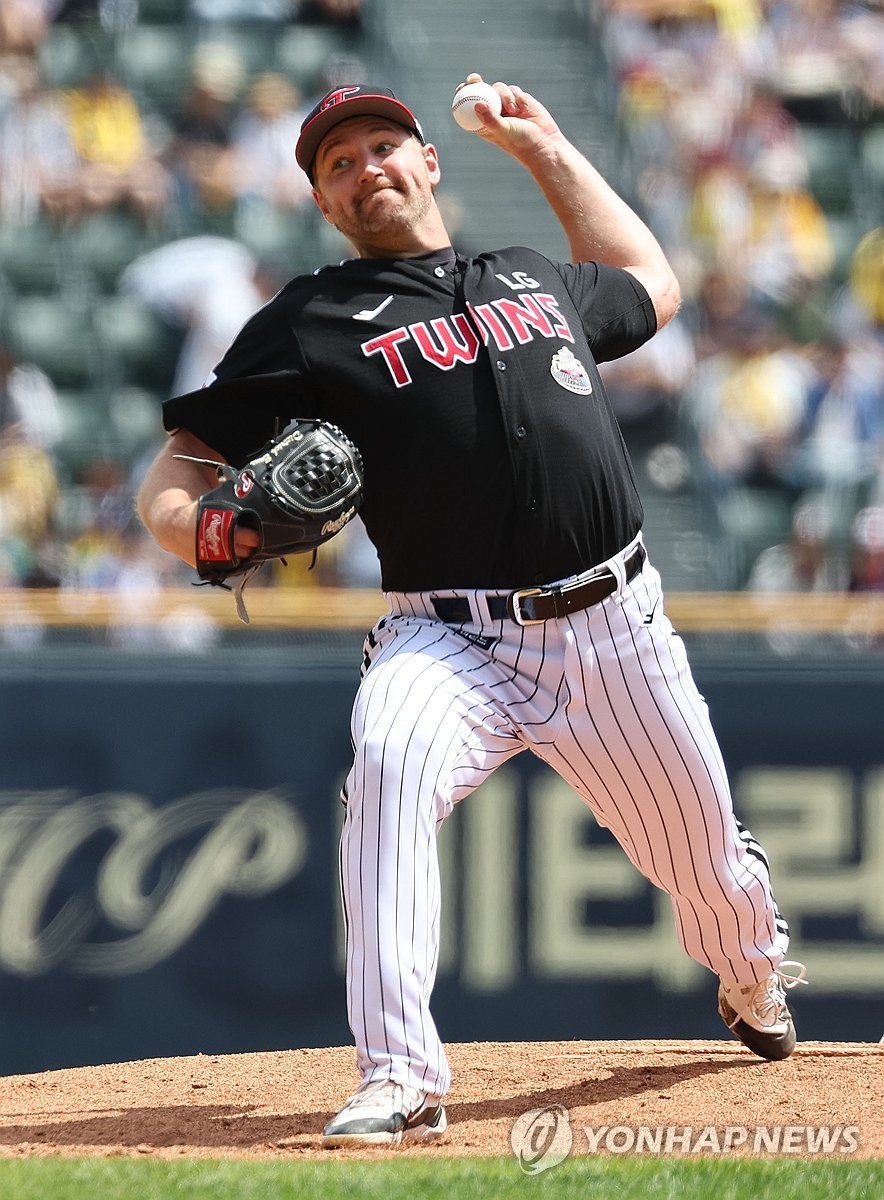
x: 530, y: 606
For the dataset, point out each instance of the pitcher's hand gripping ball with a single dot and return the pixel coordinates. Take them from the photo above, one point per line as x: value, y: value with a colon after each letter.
x: 299, y: 491
x: 463, y: 106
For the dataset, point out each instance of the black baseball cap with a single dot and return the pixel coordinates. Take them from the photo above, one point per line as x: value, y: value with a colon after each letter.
x: 342, y: 103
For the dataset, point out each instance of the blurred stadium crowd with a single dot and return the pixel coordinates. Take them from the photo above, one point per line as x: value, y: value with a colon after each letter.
x: 149, y: 201
x: 757, y: 132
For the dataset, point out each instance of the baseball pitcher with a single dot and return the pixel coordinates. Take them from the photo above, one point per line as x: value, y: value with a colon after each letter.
x: 524, y: 612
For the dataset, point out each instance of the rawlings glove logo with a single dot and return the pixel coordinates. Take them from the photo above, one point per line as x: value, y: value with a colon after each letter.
x: 214, y: 535
x: 244, y: 485
x: 338, y: 523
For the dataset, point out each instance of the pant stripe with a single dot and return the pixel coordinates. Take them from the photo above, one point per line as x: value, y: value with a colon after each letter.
x: 698, y: 721
x: 663, y: 826
x: 606, y: 697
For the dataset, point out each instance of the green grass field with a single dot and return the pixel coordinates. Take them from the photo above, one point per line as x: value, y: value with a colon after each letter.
x: 446, y: 1179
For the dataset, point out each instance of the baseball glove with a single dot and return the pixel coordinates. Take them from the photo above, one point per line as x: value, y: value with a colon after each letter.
x: 298, y: 492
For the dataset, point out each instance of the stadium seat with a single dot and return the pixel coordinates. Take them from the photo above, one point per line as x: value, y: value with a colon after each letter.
x: 57, y: 335
x: 160, y: 12
x: 66, y: 56
x: 135, y: 419
x: 281, y: 238
x: 86, y: 433
x: 872, y: 158
x: 833, y: 162
x: 134, y: 343
x: 32, y: 256
x: 252, y: 47
x: 155, y: 62
x: 304, y: 52
x: 104, y: 243
x: 845, y: 232
x: 753, y: 518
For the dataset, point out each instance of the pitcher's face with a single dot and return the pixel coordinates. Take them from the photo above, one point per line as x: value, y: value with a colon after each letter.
x: 374, y: 182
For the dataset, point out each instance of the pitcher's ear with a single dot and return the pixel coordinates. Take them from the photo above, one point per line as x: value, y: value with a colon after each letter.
x: 431, y: 158
x: 321, y: 205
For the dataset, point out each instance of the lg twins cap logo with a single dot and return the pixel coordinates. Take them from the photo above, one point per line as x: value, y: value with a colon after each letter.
x: 569, y: 372
x: 338, y: 96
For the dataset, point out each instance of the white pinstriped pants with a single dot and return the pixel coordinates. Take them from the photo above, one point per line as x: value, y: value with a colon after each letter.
x: 605, y: 696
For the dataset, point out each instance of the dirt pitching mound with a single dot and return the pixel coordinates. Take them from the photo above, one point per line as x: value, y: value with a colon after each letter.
x: 274, y: 1105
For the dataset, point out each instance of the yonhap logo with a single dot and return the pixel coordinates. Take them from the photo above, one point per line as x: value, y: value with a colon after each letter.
x: 542, y: 1138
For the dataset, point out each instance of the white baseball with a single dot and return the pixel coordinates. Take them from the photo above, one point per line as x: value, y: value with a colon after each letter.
x: 463, y: 106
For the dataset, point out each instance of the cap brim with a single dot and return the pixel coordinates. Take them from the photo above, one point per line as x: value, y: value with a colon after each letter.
x: 359, y: 106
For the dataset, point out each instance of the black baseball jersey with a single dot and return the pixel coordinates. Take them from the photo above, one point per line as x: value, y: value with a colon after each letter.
x: 492, y: 456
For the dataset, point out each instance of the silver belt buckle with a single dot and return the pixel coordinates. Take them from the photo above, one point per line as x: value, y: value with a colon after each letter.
x: 514, y: 604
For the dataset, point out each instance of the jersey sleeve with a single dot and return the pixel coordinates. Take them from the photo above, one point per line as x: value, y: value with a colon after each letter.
x: 255, y: 390
x: 617, y: 312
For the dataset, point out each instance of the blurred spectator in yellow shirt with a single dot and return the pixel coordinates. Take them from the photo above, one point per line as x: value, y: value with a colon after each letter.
x: 29, y: 487
x: 118, y: 166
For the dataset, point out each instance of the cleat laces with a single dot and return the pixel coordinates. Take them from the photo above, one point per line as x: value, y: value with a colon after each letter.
x: 764, y: 1004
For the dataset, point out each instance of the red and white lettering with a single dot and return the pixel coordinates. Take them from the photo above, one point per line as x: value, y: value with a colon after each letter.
x: 444, y: 346
x: 387, y: 344
x: 446, y: 341
x: 338, y: 97
x: 489, y: 320
x: 523, y: 316
x: 550, y: 305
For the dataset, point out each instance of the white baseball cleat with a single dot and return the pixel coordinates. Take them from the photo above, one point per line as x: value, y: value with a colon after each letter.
x: 385, y: 1113
x: 757, y: 1013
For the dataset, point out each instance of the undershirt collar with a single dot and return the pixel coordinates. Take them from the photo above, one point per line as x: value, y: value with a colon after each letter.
x: 444, y: 257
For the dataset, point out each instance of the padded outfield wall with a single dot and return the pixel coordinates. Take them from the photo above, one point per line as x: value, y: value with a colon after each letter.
x: 168, y: 883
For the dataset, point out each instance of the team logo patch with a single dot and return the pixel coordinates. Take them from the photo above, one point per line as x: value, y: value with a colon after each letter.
x: 569, y: 372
